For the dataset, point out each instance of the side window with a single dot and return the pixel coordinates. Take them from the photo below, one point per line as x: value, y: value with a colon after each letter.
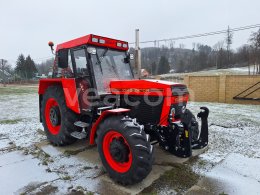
x: 70, y: 62
x: 81, y: 62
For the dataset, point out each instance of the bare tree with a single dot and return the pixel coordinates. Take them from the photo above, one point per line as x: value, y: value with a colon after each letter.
x: 218, y: 47
x: 255, y: 51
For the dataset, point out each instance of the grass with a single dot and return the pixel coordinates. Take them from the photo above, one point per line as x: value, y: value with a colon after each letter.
x: 67, y: 177
x: 87, y: 168
x: 49, y: 189
x: 180, y: 178
x: 10, y: 121
x: 17, y: 90
x: 80, y: 190
x: 223, y: 193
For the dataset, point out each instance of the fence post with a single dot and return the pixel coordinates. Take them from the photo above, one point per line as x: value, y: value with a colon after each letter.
x: 222, y: 89
x: 187, y: 80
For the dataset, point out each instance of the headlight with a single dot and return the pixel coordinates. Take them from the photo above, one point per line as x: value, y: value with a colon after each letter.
x: 102, y: 41
x: 179, y: 90
x: 173, y: 111
x: 95, y: 40
x: 183, y: 109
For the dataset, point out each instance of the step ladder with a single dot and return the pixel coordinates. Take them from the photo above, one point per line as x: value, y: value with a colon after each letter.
x: 83, y: 134
x: 102, y: 109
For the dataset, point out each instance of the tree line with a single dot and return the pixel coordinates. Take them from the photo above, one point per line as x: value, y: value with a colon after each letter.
x: 161, y: 60
x: 25, y: 67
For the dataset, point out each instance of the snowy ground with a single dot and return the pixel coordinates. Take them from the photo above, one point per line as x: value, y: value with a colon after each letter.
x: 40, y: 167
x: 228, y: 71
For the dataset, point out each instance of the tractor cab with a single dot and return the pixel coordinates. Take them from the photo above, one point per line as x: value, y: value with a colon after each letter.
x: 97, y: 61
x: 92, y: 62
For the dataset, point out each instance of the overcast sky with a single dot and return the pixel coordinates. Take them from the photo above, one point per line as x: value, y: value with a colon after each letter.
x: 26, y: 26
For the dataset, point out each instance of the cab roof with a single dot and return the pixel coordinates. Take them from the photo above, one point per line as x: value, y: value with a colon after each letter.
x: 95, y: 40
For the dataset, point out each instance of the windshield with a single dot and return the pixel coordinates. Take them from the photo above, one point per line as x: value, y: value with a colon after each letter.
x: 110, y: 65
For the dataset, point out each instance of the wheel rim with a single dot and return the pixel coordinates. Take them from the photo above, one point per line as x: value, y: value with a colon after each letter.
x: 52, y: 116
x: 117, y: 151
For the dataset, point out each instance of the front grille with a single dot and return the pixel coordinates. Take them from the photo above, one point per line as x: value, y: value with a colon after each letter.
x: 145, y: 113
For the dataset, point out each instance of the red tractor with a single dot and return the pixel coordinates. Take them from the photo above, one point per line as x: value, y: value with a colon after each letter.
x: 93, y: 94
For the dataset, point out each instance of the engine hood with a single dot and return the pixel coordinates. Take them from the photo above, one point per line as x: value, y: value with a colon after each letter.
x: 143, y: 87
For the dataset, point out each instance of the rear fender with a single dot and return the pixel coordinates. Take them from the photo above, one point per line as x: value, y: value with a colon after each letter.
x: 102, y: 117
x: 69, y: 89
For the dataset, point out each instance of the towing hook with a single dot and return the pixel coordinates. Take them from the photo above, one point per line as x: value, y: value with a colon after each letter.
x: 204, y: 113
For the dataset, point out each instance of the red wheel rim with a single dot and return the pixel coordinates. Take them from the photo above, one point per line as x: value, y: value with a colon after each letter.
x: 117, y: 166
x: 54, y: 130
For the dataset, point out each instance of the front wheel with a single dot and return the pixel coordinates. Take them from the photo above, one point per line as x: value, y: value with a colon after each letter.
x: 125, y: 150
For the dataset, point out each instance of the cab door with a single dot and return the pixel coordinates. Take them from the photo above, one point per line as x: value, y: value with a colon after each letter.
x: 83, y: 77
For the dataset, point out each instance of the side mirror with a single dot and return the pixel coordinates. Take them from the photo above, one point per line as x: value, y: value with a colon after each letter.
x: 131, y: 56
x: 128, y: 58
x: 51, y: 44
x: 63, y: 58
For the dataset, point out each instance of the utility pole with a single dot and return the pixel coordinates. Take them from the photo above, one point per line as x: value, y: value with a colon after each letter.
x: 229, y: 42
x: 137, y: 55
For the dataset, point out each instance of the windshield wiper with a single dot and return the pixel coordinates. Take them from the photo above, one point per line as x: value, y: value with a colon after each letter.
x: 100, y: 59
x: 115, y: 70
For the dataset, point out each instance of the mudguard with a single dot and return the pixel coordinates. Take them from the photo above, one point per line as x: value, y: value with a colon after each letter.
x: 101, y: 118
x: 69, y: 88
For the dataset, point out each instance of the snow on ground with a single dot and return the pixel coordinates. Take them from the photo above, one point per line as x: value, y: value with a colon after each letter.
x: 232, y: 129
x: 235, y: 175
x: 19, y: 119
x: 24, y: 150
x: 20, y: 127
x: 228, y: 71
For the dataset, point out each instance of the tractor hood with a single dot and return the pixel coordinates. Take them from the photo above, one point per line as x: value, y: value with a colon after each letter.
x: 146, y: 87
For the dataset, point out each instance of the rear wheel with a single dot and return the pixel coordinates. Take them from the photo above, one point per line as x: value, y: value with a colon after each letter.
x: 57, y: 119
x: 125, y: 150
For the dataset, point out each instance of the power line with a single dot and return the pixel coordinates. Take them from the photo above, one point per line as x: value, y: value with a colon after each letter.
x: 204, y: 34
x: 178, y: 38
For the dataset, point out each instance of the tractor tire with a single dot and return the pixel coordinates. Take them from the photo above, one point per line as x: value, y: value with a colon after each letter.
x: 125, y: 149
x: 57, y: 126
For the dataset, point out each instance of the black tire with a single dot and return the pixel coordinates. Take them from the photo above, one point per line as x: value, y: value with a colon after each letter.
x: 138, y: 143
x: 67, y: 118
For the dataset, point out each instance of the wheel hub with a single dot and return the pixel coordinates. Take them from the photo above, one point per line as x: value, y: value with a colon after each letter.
x: 55, y: 116
x: 119, y: 150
